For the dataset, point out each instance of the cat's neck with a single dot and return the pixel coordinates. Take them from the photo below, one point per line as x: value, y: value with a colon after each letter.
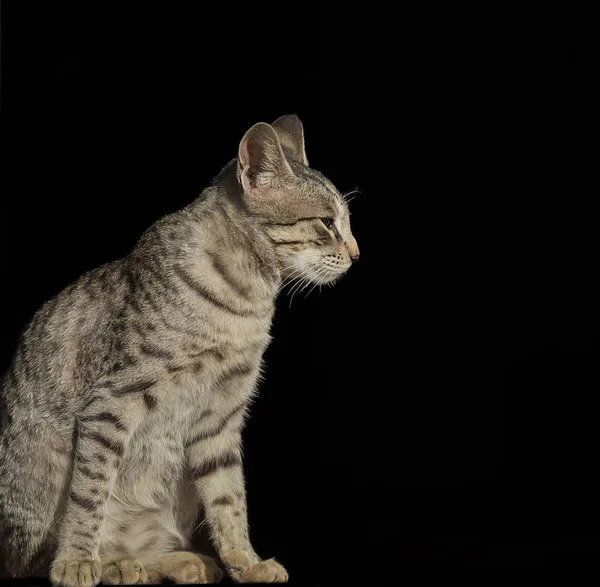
x: 215, y: 234
x: 221, y: 224
x: 247, y: 228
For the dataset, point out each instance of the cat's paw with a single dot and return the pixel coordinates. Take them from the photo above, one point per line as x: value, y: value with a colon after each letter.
x: 123, y: 571
x: 67, y: 572
x: 212, y: 572
x: 269, y: 571
x: 187, y: 568
x: 194, y: 573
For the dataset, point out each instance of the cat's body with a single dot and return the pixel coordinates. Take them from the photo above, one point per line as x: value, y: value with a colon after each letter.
x: 123, y: 408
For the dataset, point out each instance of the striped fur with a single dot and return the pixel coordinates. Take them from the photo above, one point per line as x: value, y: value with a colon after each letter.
x: 123, y: 407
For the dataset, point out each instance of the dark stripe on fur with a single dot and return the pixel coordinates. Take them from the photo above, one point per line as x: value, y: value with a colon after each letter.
x: 237, y: 371
x: 205, y: 434
x: 81, y: 549
x: 90, y: 402
x: 196, y: 366
x: 130, y: 279
x: 159, y: 277
x: 83, y: 502
x: 308, y: 218
x: 83, y: 534
x: 211, y: 466
x: 208, y: 295
x: 105, y: 417
x: 306, y: 242
x: 155, y: 351
x: 221, y: 268
x: 223, y: 500
x: 134, y: 387
x: 112, y: 445
x: 150, y: 401
x: 91, y: 474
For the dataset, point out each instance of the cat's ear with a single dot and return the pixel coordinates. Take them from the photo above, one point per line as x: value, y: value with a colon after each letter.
x: 262, y: 166
x: 291, y: 136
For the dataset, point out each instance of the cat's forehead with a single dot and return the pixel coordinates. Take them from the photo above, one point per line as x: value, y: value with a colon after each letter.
x: 315, y: 187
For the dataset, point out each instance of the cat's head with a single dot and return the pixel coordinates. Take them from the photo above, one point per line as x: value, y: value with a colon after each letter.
x: 303, y: 214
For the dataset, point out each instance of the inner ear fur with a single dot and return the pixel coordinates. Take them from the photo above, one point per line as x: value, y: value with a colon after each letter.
x: 262, y: 164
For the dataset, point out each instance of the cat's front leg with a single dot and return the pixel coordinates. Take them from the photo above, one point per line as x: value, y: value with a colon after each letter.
x: 215, y: 457
x: 105, y: 426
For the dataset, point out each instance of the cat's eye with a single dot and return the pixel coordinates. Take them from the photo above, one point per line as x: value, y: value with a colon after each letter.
x: 330, y: 225
x: 328, y: 222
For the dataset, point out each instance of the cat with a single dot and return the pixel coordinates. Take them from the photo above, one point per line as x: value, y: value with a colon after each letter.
x: 123, y: 406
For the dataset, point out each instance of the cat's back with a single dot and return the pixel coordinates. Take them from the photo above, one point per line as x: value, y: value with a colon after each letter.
x: 61, y: 340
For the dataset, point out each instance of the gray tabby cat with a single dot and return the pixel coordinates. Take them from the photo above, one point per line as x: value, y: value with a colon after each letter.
x: 123, y: 407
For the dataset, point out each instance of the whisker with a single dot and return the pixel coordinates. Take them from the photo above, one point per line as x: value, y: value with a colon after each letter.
x: 319, y: 273
x: 291, y: 278
x: 305, y: 279
x: 346, y: 196
x: 277, y: 259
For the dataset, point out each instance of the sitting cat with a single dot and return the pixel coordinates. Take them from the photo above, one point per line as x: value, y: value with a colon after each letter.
x: 123, y: 407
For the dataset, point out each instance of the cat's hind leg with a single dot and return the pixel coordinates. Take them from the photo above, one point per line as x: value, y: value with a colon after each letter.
x: 184, y: 568
x: 35, y: 464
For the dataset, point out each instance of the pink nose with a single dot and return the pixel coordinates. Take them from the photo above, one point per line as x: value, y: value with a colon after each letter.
x: 354, y: 257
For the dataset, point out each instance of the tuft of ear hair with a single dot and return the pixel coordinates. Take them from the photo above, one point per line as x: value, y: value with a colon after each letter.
x: 262, y: 166
x: 291, y: 136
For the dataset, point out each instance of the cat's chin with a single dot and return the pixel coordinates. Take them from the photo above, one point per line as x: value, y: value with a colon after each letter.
x: 326, y: 278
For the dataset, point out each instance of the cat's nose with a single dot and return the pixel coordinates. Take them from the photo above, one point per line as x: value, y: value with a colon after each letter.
x: 352, y: 247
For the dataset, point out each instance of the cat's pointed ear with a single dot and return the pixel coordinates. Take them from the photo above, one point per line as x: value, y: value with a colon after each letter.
x: 291, y: 136
x: 262, y: 166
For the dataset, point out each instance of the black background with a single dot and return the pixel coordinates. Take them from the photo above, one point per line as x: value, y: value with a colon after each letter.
x: 430, y: 416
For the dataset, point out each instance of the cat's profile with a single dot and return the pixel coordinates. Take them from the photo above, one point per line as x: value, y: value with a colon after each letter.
x: 123, y: 406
